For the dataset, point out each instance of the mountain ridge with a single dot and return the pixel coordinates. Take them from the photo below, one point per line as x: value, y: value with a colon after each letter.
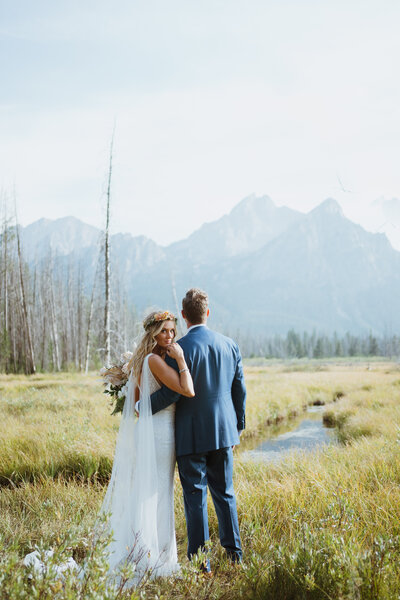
x: 266, y: 268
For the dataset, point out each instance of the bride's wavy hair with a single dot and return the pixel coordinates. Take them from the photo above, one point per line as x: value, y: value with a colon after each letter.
x: 152, y: 325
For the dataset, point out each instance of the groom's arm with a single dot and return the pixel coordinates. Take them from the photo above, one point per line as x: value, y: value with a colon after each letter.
x: 239, y: 392
x: 164, y: 396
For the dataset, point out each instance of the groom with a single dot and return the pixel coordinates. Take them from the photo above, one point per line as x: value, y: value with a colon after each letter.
x: 207, y: 426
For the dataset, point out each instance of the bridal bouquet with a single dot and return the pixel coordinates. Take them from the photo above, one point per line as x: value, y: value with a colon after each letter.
x: 115, y: 380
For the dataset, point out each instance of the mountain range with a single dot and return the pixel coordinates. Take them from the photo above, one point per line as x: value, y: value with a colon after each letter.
x: 267, y: 269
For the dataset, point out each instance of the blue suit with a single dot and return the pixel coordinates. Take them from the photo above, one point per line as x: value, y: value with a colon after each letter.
x: 206, y: 428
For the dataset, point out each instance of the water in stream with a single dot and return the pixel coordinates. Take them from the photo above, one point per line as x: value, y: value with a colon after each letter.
x: 310, y: 433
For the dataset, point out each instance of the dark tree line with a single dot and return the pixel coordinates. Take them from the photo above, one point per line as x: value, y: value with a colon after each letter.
x: 314, y: 345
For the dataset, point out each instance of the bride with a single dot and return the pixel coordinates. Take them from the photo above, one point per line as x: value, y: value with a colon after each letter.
x: 139, y: 498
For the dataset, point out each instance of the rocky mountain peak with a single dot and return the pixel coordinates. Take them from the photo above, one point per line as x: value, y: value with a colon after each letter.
x: 330, y: 206
x: 253, y: 204
x: 62, y: 236
x: 250, y: 225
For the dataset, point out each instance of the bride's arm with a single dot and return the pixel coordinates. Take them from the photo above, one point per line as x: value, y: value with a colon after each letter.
x: 181, y: 382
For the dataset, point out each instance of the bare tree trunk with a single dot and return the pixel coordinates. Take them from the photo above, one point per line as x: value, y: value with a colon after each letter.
x: 44, y: 315
x: 70, y: 328
x: 44, y: 339
x: 30, y: 362
x: 33, y: 311
x: 6, y: 327
x: 14, y: 344
x: 107, y: 313
x: 78, y: 341
x: 87, y: 357
x: 5, y: 290
x: 54, y: 330
x: 178, y: 312
x: 89, y: 326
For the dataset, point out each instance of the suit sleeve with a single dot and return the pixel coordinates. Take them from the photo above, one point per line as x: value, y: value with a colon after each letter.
x: 164, y: 396
x: 239, y: 392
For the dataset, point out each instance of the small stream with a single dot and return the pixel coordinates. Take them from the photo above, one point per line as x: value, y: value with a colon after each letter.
x: 306, y: 433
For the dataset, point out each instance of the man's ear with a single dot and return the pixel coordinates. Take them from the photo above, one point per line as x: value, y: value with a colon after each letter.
x: 208, y: 312
x: 183, y: 314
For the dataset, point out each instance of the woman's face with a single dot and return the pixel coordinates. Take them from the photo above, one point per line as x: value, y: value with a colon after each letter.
x: 166, y: 335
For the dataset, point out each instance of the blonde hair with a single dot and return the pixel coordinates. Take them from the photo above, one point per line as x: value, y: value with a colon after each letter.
x: 152, y: 326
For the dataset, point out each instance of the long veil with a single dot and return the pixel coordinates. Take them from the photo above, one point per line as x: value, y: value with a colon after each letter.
x: 131, y: 497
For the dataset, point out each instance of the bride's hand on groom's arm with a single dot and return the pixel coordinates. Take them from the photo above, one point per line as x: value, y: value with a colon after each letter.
x: 181, y: 381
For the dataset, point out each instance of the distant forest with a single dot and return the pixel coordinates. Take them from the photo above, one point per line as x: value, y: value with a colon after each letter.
x: 315, y: 345
x: 49, y: 321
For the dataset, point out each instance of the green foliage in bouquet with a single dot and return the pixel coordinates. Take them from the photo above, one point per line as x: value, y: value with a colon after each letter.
x: 117, y: 401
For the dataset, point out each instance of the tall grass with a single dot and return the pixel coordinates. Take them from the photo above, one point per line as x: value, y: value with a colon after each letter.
x: 317, y: 525
x: 58, y: 426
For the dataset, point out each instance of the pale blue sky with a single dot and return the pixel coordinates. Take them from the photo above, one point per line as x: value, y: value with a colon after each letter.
x: 213, y: 100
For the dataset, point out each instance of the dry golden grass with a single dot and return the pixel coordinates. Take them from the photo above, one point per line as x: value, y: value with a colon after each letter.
x: 55, y: 426
x: 323, y: 524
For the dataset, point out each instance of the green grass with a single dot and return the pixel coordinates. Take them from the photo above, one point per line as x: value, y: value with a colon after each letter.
x: 317, y: 525
x: 55, y: 427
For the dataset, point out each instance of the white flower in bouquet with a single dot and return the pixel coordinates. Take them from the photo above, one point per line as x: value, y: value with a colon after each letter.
x: 126, y: 357
x: 123, y: 391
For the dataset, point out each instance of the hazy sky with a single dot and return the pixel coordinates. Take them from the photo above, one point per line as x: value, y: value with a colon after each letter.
x: 212, y: 100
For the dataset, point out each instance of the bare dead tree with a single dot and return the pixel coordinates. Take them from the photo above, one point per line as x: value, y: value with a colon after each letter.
x: 107, y: 272
x: 90, y: 316
x: 54, y: 328
x: 178, y: 312
x: 5, y: 266
x: 78, y: 301
x: 30, y: 360
x: 44, y: 330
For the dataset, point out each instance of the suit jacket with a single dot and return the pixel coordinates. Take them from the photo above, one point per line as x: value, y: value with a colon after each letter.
x: 212, y: 418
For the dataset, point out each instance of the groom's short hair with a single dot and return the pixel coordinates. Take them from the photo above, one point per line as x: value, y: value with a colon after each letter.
x: 195, y: 305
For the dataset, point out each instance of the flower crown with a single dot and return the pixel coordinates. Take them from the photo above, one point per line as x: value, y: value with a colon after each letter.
x: 157, y: 318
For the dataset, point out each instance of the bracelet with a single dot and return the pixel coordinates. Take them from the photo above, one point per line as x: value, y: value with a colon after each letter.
x: 182, y: 370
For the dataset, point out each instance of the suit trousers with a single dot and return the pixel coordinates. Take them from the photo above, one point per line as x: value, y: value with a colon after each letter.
x: 215, y: 469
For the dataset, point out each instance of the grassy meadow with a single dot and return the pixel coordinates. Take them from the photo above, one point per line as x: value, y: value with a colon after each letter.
x: 317, y: 525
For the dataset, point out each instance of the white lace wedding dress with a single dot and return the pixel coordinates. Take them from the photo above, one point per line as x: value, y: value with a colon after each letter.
x: 140, y: 495
x: 164, y: 435
x: 139, y: 501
